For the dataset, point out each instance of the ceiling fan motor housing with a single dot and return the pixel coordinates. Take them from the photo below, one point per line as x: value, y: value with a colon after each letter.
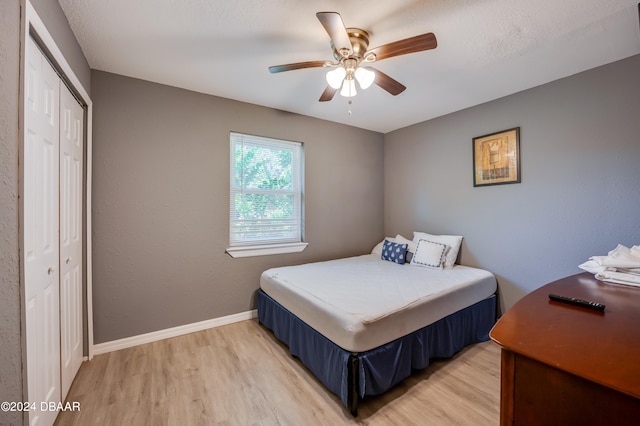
x: 359, y: 44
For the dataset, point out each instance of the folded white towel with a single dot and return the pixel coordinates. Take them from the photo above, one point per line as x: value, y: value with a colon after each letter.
x: 635, y: 271
x: 619, y: 278
x: 592, y: 267
x: 620, y: 257
x: 621, y: 265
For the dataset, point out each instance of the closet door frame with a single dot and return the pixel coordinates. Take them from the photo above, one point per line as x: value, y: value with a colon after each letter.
x: 33, y: 26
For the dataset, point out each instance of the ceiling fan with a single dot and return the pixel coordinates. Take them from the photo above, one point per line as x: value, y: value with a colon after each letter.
x: 350, y: 49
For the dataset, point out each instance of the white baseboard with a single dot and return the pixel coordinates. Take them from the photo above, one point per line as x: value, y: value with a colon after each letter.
x: 127, y: 342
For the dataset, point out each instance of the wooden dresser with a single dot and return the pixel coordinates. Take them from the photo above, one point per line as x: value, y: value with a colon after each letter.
x: 568, y: 365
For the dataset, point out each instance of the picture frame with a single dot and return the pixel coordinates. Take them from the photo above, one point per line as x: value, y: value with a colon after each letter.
x: 496, y: 158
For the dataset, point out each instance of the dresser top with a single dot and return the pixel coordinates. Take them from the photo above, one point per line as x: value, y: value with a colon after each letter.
x: 603, y: 347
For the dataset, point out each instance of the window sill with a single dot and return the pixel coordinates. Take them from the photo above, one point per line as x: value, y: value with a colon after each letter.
x: 265, y: 249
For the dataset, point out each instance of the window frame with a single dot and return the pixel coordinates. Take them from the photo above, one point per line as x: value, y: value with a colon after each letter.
x: 262, y: 248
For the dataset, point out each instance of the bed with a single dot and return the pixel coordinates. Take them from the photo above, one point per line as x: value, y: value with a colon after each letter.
x: 363, y: 324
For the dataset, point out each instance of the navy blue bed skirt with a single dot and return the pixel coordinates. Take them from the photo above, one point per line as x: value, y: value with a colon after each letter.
x: 381, y: 368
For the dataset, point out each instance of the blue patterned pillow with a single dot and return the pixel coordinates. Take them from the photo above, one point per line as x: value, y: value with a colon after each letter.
x: 394, y: 252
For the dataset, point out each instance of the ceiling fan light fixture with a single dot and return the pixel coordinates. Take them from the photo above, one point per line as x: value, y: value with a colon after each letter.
x: 336, y: 76
x: 365, y: 77
x: 348, y: 88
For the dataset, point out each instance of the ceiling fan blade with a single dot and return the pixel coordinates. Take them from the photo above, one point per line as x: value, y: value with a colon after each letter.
x: 296, y: 66
x: 387, y: 83
x: 328, y: 94
x: 332, y: 23
x: 402, y: 47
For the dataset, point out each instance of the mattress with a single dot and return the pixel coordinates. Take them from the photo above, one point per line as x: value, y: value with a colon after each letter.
x: 363, y: 302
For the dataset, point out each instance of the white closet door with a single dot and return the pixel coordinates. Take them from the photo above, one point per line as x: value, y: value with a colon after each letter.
x: 41, y: 223
x: 71, y: 143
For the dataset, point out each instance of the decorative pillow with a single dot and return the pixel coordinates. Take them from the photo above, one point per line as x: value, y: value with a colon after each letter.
x: 408, y: 257
x: 453, y: 243
x: 429, y: 254
x: 394, y: 252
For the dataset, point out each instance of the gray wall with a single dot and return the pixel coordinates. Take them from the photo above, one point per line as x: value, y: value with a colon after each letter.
x: 580, y: 190
x: 161, y: 194
x: 11, y: 349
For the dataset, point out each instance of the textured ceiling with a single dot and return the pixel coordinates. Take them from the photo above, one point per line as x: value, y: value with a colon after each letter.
x: 486, y: 49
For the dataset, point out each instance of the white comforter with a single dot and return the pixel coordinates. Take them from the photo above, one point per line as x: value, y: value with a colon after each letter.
x: 363, y: 302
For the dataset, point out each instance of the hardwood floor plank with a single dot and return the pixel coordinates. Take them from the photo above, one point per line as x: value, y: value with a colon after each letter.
x: 239, y: 374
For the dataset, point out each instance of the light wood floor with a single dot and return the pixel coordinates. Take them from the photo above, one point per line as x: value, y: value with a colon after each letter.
x: 239, y: 374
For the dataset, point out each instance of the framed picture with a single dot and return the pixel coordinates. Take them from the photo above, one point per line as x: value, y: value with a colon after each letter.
x: 496, y: 158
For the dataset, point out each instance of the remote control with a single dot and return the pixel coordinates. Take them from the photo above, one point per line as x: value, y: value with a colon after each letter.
x: 577, y: 302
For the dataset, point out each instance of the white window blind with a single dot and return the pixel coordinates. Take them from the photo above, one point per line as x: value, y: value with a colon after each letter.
x: 265, y: 191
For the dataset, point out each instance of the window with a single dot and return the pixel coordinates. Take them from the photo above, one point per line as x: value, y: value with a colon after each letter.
x: 265, y: 197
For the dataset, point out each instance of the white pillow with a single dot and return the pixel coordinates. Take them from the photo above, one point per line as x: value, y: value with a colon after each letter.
x: 429, y: 254
x: 453, y: 243
x: 378, y: 248
x: 402, y: 240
